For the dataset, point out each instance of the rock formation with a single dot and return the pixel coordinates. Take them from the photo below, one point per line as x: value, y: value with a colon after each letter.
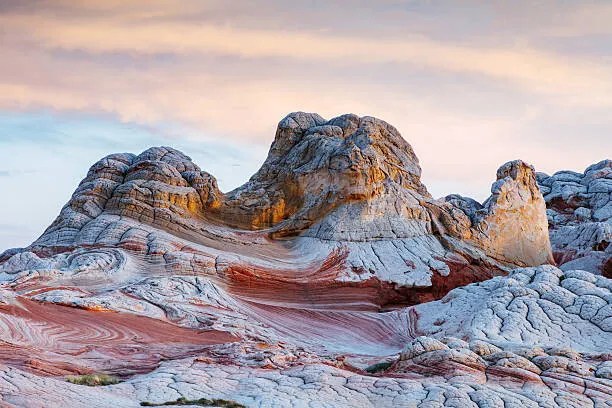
x: 346, y: 188
x: 579, y: 208
x: 332, y: 276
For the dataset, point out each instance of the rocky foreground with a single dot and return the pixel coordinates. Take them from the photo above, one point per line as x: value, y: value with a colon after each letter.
x: 332, y: 278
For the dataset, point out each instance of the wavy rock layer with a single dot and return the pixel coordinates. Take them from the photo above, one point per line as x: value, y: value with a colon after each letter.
x: 331, y: 277
x: 540, y: 337
x: 349, y: 185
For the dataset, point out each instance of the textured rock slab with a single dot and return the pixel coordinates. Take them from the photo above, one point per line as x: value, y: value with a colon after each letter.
x: 544, y: 306
x: 539, y: 336
x: 579, y: 207
x: 310, y: 385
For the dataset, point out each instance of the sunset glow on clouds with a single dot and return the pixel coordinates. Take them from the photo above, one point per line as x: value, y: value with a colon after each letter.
x: 469, y: 84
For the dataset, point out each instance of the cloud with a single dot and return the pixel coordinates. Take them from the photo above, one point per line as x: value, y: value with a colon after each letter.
x: 467, y: 96
x: 200, y: 66
x: 5, y: 173
x: 538, y: 70
x: 589, y: 18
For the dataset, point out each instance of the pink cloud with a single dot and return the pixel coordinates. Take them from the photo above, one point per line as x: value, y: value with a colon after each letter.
x: 153, y: 62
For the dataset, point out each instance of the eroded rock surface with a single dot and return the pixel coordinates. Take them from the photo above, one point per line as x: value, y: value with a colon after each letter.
x: 331, y: 278
x: 579, y: 208
x: 539, y: 337
x: 346, y: 186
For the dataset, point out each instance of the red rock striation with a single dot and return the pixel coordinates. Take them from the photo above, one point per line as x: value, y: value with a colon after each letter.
x: 331, y: 276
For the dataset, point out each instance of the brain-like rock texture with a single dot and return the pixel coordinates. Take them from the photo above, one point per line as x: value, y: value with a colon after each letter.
x: 331, y: 278
x: 579, y: 207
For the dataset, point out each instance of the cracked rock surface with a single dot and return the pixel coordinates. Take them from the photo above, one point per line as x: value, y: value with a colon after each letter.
x: 331, y: 278
x: 579, y: 208
x: 535, y: 339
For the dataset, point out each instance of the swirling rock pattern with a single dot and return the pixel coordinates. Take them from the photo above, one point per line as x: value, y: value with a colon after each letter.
x: 460, y: 361
x: 330, y: 278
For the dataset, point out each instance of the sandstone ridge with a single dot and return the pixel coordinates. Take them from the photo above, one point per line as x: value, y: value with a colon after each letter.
x: 346, y: 179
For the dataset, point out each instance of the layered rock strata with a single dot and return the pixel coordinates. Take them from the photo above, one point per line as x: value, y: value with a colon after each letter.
x: 539, y: 337
x: 347, y: 187
x: 331, y: 277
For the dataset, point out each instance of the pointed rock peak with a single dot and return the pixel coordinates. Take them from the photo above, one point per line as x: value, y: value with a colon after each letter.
x: 515, y: 169
x: 514, y: 224
x: 519, y: 172
x: 516, y: 185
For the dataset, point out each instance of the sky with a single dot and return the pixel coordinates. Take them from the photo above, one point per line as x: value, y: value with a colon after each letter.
x: 469, y: 84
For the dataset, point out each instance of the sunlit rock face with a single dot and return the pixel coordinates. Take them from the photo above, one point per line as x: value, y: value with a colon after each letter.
x: 349, y: 185
x: 580, y: 217
x: 331, y: 277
